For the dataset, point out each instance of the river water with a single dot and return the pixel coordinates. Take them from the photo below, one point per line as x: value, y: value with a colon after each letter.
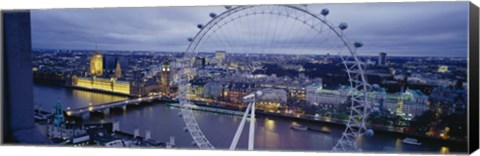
x: 271, y: 133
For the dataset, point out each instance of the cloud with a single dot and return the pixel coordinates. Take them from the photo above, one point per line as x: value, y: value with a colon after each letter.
x: 432, y: 28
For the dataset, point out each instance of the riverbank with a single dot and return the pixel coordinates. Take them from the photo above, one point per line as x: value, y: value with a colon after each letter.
x: 272, y: 133
x: 333, y: 122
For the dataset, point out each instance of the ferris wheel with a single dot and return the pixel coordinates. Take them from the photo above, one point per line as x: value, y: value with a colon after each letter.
x: 273, y: 29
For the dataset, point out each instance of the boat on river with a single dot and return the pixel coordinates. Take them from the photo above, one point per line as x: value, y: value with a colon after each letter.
x: 299, y: 127
x: 411, y: 141
x: 323, y: 130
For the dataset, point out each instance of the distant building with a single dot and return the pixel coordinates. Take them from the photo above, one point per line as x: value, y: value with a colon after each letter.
x: 272, y: 99
x: 236, y: 91
x: 213, y: 90
x: 331, y: 99
x: 149, y: 87
x: 198, y: 86
x: 199, y: 62
x: 382, y: 59
x: 391, y: 71
x: 59, y: 129
x: 294, y: 91
x: 96, y: 64
x: 408, y: 104
x: 63, y: 132
x: 109, y: 63
x: 442, y: 69
x: 377, y: 96
x: 220, y: 57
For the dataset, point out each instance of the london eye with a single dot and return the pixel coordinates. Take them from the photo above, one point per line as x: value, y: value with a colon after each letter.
x: 272, y: 29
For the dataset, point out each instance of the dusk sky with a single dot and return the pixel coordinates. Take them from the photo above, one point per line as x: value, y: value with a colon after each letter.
x: 400, y: 29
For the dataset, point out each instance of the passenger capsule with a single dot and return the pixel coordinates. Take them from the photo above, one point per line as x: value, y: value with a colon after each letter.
x: 358, y: 44
x: 325, y: 12
x: 343, y: 26
x: 212, y: 15
x: 199, y: 26
x: 369, y: 133
x: 228, y: 7
x: 190, y: 39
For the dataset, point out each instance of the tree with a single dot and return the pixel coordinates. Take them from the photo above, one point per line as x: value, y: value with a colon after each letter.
x: 423, y: 122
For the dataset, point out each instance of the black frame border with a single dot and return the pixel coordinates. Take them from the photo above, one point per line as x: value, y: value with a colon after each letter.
x: 473, y: 63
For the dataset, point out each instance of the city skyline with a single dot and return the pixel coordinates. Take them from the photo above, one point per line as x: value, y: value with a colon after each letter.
x: 420, y: 31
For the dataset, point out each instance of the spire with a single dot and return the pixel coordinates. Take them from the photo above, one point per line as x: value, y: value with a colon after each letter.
x: 59, y: 118
x: 58, y: 106
x: 165, y: 61
x: 165, y: 65
x: 118, y: 69
x: 96, y: 47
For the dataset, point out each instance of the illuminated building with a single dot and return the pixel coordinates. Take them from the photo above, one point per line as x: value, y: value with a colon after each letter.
x: 63, y: 132
x: 399, y: 110
x: 295, y: 91
x: 318, y: 96
x: 392, y: 71
x: 165, y: 77
x: 408, y: 104
x: 236, y: 91
x: 109, y: 85
x: 149, y: 87
x: 198, y: 86
x: 272, y: 99
x: 442, y: 69
x: 220, y: 56
x: 96, y: 64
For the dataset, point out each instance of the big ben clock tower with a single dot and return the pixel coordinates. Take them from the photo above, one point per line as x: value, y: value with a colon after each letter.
x: 165, y: 77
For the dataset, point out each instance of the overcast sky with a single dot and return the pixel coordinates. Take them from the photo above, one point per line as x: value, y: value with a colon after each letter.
x: 402, y: 29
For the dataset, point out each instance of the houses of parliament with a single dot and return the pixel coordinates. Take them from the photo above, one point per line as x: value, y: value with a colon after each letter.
x: 103, y: 77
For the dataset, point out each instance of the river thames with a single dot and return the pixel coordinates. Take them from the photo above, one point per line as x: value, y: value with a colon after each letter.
x: 271, y: 133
